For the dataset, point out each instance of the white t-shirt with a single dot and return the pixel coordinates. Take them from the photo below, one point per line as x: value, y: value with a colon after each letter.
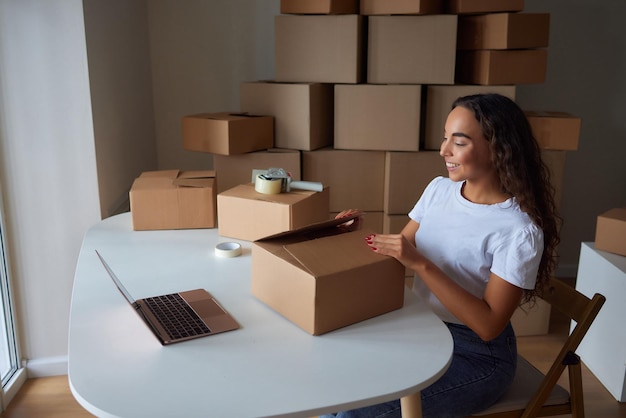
x: 468, y: 241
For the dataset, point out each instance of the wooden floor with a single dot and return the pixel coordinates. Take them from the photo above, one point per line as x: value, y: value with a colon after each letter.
x: 50, y: 397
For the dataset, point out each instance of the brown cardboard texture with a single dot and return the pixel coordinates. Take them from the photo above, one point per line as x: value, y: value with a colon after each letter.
x: 322, y: 278
x: 483, y: 6
x: 496, y: 67
x: 504, y: 31
x: 243, y: 213
x: 227, y: 133
x: 611, y: 231
x: 173, y: 199
x: 401, y: 7
x: 319, y: 7
x: 555, y: 130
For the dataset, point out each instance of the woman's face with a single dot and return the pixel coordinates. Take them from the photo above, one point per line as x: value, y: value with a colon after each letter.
x: 464, y: 148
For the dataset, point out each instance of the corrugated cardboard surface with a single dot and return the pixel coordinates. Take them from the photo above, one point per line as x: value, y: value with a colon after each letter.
x: 324, y: 282
x: 495, y: 67
x: 611, y: 231
x: 411, y: 49
x: 398, y: 7
x: 246, y: 214
x: 555, y: 130
x: 319, y: 6
x: 483, y: 6
x: 504, y: 31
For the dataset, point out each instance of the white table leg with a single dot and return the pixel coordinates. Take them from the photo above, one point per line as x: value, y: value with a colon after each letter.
x: 411, y: 406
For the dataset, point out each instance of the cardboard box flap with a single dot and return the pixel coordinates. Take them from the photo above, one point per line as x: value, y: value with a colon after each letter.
x: 195, y: 178
x: 328, y: 255
x: 168, y: 174
x: 316, y: 230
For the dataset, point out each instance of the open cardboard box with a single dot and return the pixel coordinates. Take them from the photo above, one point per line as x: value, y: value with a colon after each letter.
x: 323, y: 277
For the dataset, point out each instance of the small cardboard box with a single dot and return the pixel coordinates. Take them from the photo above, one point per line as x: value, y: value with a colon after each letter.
x: 319, y: 7
x: 173, y: 199
x: 555, y: 130
x: 303, y: 112
x: 378, y: 117
x: 323, y: 48
x: 401, y: 7
x: 227, y: 133
x: 504, y: 31
x: 243, y: 213
x: 495, y: 67
x: 323, y: 278
x: 611, y: 231
x: 482, y: 6
x: 411, y: 49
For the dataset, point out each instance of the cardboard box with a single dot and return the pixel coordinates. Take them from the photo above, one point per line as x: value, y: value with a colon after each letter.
x: 532, y: 320
x: 611, y: 231
x: 492, y: 67
x: 482, y: 6
x: 325, y: 49
x: 411, y: 49
x: 322, y: 278
x: 378, y: 117
x: 227, y: 133
x: 555, y: 130
x: 555, y: 161
x: 439, y: 101
x: 406, y: 176
x: 401, y: 7
x: 319, y: 7
x: 243, y: 213
x: 233, y: 170
x: 355, y: 178
x: 504, y: 31
x: 303, y: 112
x: 173, y: 199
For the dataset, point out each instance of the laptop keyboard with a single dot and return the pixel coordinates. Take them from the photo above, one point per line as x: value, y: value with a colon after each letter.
x: 176, y: 316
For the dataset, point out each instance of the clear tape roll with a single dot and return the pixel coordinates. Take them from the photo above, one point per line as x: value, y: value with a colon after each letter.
x: 268, y: 186
x: 228, y: 249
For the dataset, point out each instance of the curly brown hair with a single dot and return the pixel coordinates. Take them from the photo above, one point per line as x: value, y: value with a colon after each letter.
x: 517, y: 158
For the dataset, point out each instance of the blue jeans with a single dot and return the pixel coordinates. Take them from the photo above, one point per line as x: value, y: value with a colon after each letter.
x: 479, y: 374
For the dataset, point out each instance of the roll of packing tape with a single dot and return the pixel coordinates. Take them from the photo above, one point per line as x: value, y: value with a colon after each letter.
x: 228, y: 249
x: 268, y: 186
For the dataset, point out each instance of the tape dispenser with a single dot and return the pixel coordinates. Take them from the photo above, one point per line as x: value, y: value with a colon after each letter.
x: 277, y: 180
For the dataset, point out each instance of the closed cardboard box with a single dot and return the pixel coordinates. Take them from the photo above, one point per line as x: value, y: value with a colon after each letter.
x: 173, y: 199
x: 401, y: 7
x: 325, y: 49
x: 378, y: 117
x: 243, y: 213
x: 494, y: 67
x: 406, y: 176
x: 555, y: 130
x: 411, y: 49
x: 319, y: 7
x: 233, y: 170
x: 611, y: 231
x: 323, y: 278
x: 483, y: 6
x: 504, y: 31
x: 303, y: 112
x: 227, y: 133
x: 355, y: 178
x: 439, y: 101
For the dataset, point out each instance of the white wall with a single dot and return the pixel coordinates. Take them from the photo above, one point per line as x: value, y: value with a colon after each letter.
x: 48, y: 166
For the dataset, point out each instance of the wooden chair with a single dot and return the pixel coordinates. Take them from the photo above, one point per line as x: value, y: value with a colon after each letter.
x: 534, y: 394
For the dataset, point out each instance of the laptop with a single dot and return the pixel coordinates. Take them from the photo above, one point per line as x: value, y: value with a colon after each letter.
x: 181, y: 316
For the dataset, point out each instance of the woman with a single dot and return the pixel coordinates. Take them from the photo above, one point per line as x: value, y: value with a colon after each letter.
x: 480, y: 242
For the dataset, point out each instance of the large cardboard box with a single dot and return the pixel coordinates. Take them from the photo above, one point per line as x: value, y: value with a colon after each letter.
x: 227, y: 133
x: 482, y: 6
x: 555, y: 130
x: 323, y: 278
x: 504, y: 31
x: 411, y: 49
x: 303, y: 112
x: 378, y: 117
x: 173, y: 199
x: 439, y: 101
x: 493, y: 67
x: 233, y: 170
x: 611, y: 231
x: 319, y: 7
x: 323, y: 48
x: 401, y: 7
x: 243, y: 213
x: 406, y: 176
x: 355, y: 178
